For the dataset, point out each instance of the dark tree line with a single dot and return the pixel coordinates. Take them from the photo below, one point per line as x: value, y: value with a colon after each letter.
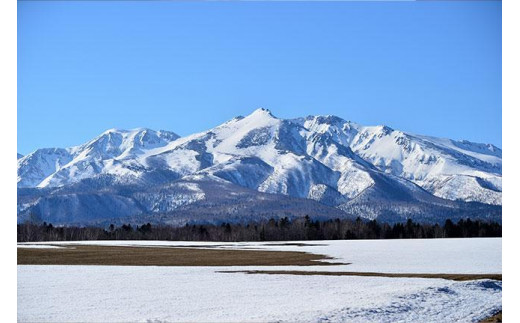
x: 273, y: 230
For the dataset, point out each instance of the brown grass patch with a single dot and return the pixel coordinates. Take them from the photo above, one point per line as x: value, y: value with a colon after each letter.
x: 295, y: 244
x: 457, y: 277
x: 153, y: 256
x: 493, y: 319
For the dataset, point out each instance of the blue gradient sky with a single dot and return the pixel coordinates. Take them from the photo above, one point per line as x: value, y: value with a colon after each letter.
x: 429, y: 67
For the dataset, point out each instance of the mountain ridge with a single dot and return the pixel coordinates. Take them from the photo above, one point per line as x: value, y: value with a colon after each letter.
x: 334, y: 162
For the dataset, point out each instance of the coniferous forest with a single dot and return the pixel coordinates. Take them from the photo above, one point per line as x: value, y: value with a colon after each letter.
x: 273, y: 230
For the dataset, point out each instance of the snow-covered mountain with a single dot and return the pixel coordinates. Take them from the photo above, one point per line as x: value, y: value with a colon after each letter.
x: 113, y: 152
x: 339, y: 164
x: 455, y: 170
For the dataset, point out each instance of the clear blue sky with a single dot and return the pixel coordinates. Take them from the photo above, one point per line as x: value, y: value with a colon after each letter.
x: 430, y: 67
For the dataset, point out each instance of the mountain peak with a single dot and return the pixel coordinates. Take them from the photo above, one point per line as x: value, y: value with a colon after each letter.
x: 326, y: 119
x: 262, y: 112
x: 124, y: 131
x: 111, y: 130
x: 385, y: 129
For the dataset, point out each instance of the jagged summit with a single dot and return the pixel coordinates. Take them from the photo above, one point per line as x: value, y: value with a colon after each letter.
x: 133, y: 131
x: 113, y: 130
x: 59, y: 166
x: 262, y: 110
x: 325, y: 119
x: 329, y: 160
x: 261, y: 113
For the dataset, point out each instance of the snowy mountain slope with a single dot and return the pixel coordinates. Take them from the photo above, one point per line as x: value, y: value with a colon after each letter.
x: 259, y: 151
x: 197, y: 199
x: 35, y: 167
x: 358, y: 170
x: 427, y: 161
x: 270, y: 155
x: 113, y: 152
x: 209, y: 199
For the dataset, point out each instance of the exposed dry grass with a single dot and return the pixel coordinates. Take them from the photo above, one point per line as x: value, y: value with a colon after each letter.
x: 160, y: 256
x: 295, y: 244
x: 193, y: 256
x: 493, y: 319
x: 457, y: 277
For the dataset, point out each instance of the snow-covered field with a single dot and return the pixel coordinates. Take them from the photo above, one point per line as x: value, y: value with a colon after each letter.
x: 125, y: 293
